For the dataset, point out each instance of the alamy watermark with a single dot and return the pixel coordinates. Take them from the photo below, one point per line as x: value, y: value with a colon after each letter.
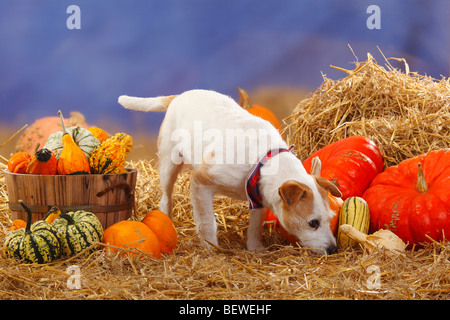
x: 74, y: 280
x: 74, y: 20
x: 203, y: 144
x: 374, y: 20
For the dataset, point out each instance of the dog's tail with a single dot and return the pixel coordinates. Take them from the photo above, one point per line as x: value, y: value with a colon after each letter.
x: 146, y: 104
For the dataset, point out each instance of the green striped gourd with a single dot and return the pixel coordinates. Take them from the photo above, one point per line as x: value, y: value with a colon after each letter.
x: 82, y: 137
x: 355, y: 212
x: 77, y: 231
x: 36, y: 243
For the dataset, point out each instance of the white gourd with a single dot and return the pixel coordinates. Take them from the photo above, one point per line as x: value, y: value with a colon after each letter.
x: 82, y: 137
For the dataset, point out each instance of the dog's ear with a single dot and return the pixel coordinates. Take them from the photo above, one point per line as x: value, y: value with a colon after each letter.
x: 328, y: 185
x: 292, y: 191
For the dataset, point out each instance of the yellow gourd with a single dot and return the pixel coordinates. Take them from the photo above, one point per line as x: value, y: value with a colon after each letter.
x: 354, y: 212
x: 110, y: 156
x: 72, y: 158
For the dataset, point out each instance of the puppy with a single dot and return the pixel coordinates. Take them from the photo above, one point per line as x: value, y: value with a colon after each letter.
x: 242, y: 156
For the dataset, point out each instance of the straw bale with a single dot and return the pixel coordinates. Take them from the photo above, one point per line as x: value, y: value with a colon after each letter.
x: 405, y: 113
x: 229, y: 272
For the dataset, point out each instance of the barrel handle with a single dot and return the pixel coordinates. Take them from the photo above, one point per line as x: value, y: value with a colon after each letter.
x: 122, y: 185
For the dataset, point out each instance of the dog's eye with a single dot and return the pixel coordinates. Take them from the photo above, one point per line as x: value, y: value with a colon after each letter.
x: 314, y: 223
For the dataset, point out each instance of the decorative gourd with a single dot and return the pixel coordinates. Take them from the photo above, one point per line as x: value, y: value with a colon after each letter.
x: 110, y: 156
x: 381, y: 239
x: 82, y: 137
x: 36, y: 243
x: 100, y: 134
x: 351, y: 164
x: 18, y: 162
x: 43, y: 161
x: 132, y: 235
x: 163, y: 228
x: 354, y: 212
x: 72, y: 159
x: 412, y: 199
x: 77, y: 231
x: 257, y: 110
x: 41, y: 129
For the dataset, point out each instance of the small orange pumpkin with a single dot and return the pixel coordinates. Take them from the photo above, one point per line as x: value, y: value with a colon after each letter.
x: 257, y: 110
x: 132, y: 234
x: 43, y: 162
x: 163, y: 228
x: 18, y: 224
x: 18, y: 162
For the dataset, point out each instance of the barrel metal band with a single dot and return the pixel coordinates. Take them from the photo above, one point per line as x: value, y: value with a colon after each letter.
x: 90, y: 208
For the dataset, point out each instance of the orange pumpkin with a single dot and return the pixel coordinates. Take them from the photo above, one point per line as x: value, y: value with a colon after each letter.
x: 43, y: 161
x: 42, y: 128
x: 163, y: 228
x: 257, y: 110
x: 132, y: 234
x: 18, y: 224
x: 100, y: 134
x: 18, y: 162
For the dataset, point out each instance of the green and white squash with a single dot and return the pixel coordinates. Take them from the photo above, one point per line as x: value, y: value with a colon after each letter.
x: 355, y: 212
x: 77, y: 231
x: 82, y: 137
x: 36, y: 243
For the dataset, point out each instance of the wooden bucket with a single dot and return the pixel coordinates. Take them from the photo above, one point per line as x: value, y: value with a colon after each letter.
x: 109, y: 196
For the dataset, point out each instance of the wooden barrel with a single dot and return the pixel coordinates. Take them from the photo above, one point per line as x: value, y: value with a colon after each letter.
x: 109, y: 196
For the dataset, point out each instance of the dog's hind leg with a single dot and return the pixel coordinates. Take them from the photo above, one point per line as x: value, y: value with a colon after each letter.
x: 168, y: 172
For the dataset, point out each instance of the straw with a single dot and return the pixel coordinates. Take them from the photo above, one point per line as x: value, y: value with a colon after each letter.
x: 231, y: 272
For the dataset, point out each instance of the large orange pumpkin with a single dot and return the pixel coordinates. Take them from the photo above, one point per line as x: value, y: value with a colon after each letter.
x: 42, y: 128
x: 351, y: 164
x: 257, y: 110
x: 132, y: 234
x: 412, y: 199
x: 163, y: 228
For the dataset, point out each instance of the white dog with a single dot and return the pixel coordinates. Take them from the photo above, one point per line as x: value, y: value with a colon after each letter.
x: 242, y: 156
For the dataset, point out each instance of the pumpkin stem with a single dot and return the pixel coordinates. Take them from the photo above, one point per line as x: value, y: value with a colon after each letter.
x: 29, y: 216
x: 37, y: 147
x: 422, y: 185
x: 67, y: 217
x: 62, y: 122
x: 244, y: 98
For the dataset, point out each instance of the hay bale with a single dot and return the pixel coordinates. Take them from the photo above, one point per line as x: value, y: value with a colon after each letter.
x: 406, y: 114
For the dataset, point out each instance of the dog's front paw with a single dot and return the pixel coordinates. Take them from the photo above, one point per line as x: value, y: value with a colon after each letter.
x: 255, y: 246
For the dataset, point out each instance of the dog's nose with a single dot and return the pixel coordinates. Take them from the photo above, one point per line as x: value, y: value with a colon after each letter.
x: 332, y: 249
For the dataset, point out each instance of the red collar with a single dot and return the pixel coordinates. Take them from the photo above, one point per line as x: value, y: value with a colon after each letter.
x: 251, y: 182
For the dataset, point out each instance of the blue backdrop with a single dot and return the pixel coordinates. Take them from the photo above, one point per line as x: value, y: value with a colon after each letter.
x: 149, y: 47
